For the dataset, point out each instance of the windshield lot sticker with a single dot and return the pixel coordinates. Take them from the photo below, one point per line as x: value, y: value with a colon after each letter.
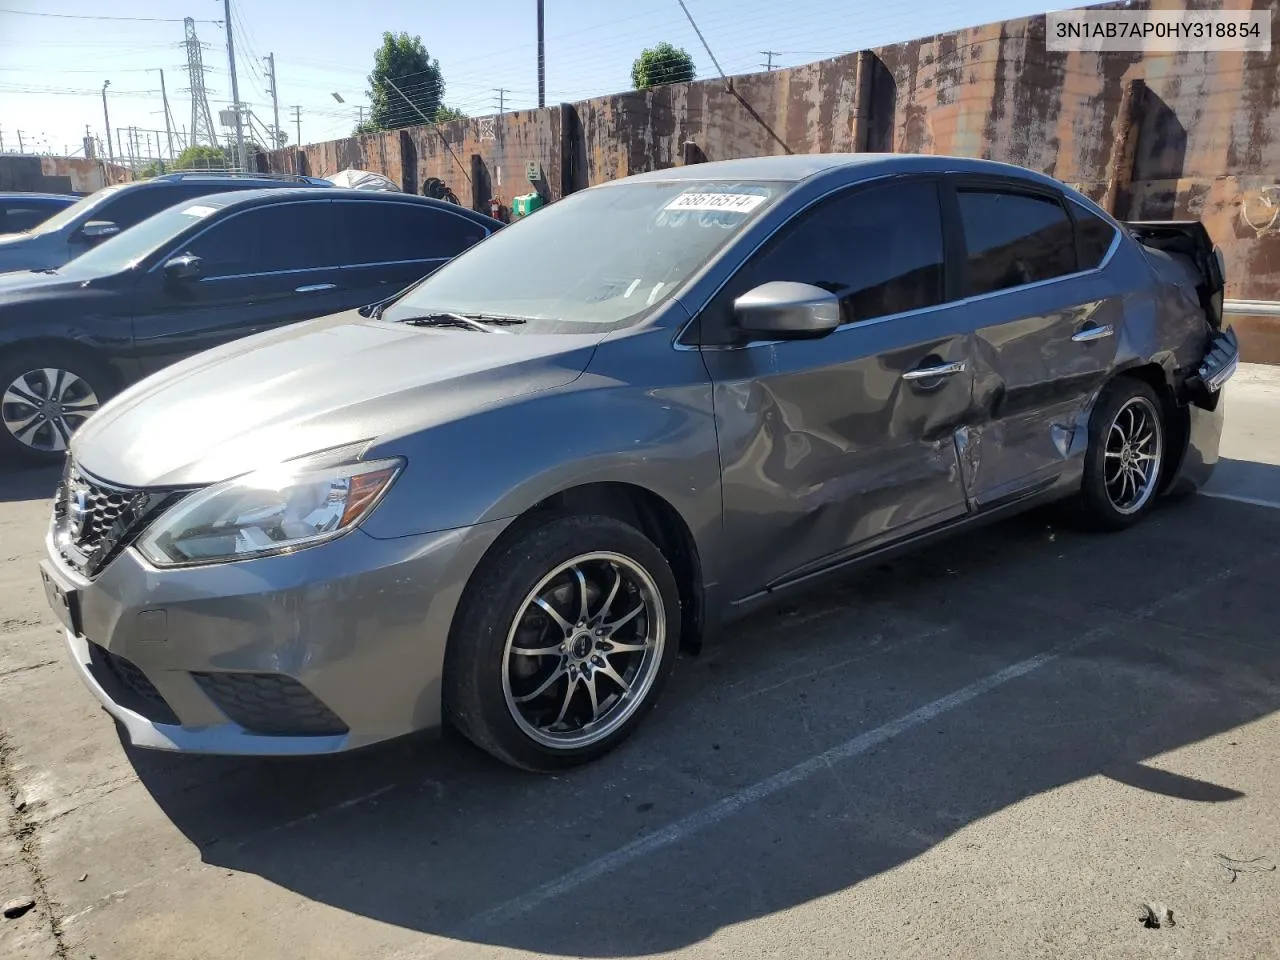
x: 199, y: 211
x: 727, y: 202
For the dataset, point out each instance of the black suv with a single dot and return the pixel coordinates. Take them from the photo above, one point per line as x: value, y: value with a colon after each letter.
x: 112, y: 210
x: 198, y: 275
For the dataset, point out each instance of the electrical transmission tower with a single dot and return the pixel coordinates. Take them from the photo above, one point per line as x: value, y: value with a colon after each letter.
x: 202, y: 129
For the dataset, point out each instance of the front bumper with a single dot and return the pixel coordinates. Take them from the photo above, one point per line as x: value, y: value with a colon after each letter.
x: 327, y: 649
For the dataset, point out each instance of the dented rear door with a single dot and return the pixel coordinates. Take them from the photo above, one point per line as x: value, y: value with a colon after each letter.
x: 1047, y: 325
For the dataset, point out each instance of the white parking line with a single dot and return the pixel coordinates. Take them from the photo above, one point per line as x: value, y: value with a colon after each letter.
x: 1255, y: 501
x: 727, y: 806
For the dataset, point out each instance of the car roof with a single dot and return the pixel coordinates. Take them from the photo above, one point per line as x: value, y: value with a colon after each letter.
x: 55, y: 197
x: 797, y: 167
x: 280, y: 194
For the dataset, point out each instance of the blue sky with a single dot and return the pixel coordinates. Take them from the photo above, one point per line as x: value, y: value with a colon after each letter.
x: 52, y: 67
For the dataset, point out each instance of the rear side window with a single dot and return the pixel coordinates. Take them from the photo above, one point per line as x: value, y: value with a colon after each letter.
x: 388, y: 232
x: 1014, y: 239
x: 270, y: 239
x: 1094, y: 237
x: 880, y: 250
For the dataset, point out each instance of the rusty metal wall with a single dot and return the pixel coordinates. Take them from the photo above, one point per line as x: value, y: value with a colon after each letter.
x: 1204, y: 142
x: 57, y: 174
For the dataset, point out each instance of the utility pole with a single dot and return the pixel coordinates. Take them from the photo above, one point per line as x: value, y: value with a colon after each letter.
x: 770, y: 54
x: 1, y: 139
x: 235, y: 87
x: 20, y: 149
x: 361, y: 115
x: 501, y: 92
x: 297, y: 119
x: 159, y: 155
x: 168, y: 125
x: 275, y: 98
x: 106, y: 118
x: 542, y: 62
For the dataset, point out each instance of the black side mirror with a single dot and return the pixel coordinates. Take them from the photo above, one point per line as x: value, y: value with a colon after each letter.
x: 96, y: 230
x: 185, y: 267
x: 781, y: 310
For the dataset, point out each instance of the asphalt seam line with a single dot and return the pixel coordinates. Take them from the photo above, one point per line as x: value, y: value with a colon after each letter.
x: 763, y: 789
x: 22, y: 827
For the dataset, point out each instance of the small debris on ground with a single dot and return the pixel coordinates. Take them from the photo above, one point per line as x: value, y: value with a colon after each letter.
x: 16, y: 908
x: 84, y: 877
x: 1156, y: 915
x: 1236, y: 867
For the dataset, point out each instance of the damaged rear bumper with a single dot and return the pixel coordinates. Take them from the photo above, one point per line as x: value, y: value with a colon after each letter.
x: 1203, y: 414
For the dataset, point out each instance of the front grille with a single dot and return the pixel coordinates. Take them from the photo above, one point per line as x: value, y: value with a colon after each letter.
x: 93, y: 520
x: 270, y: 704
x: 129, y: 686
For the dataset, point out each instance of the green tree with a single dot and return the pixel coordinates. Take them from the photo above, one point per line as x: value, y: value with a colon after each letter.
x: 402, y: 60
x: 661, y: 64
x: 202, y: 157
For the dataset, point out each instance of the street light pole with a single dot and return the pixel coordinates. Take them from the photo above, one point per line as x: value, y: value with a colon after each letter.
x: 106, y: 118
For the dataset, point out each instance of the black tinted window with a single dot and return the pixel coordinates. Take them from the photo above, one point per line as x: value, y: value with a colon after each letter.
x: 16, y: 218
x: 376, y: 232
x: 131, y: 207
x: 1094, y: 236
x: 880, y: 250
x: 1014, y: 239
x: 283, y: 236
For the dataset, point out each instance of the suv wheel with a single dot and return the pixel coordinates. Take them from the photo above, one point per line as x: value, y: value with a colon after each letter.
x: 45, y: 396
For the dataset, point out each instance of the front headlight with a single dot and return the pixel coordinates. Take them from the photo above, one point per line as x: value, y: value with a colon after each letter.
x: 277, y: 510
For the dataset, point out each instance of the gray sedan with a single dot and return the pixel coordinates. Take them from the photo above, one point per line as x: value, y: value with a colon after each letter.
x: 505, y: 497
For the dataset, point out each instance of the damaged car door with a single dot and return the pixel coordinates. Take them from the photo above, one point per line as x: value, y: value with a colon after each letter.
x: 833, y: 445
x: 1047, y: 323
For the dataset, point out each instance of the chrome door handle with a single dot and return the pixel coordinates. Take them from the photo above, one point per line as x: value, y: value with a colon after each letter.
x: 314, y: 287
x: 1089, y: 334
x: 928, y: 373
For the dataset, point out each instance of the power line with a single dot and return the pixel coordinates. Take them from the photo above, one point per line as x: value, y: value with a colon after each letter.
x: 87, y: 16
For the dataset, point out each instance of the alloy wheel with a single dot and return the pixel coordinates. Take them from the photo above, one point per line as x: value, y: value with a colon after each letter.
x: 42, y: 408
x: 584, y: 650
x: 1133, y: 454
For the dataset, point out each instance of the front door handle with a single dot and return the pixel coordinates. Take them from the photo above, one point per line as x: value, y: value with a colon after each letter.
x: 929, y: 373
x: 314, y: 287
x: 1089, y: 334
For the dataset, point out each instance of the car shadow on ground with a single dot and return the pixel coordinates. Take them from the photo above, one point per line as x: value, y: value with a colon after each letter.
x: 27, y: 483
x: 820, y: 746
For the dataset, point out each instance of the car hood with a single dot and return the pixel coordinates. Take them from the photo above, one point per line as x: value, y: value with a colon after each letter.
x: 21, y: 282
x: 313, y: 386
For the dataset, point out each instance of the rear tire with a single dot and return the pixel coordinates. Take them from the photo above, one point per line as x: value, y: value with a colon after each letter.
x: 1123, y: 467
x: 46, y: 394
x: 562, y: 642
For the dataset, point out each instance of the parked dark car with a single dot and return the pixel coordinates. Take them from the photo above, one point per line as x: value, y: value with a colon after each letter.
x: 20, y: 212
x: 508, y: 496
x: 71, y: 232
x: 197, y: 275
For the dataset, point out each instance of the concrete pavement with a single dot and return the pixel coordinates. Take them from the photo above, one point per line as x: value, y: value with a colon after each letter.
x: 999, y: 747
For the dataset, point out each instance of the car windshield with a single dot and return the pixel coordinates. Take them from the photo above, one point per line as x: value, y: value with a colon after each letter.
x: 606, y: 256
x: 70, y: 214
x: 125, y: 249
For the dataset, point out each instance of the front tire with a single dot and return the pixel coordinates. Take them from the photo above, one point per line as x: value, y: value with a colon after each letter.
x: 562, y: 642
x: 1128, y: 443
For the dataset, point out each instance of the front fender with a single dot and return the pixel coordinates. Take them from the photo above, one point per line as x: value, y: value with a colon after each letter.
x: 634, y: 417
